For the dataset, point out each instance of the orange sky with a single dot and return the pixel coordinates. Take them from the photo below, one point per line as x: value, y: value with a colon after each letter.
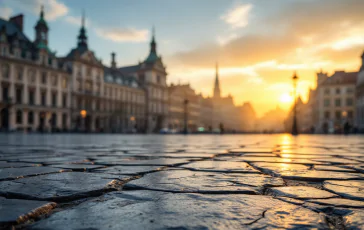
x: 257, y: 65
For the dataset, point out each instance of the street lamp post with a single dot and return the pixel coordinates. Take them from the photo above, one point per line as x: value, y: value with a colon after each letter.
x: 185, y: 102
x: 294, y: 126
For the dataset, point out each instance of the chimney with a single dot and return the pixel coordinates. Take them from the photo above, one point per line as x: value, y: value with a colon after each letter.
x: 113, y: 63
x: 17, y: 21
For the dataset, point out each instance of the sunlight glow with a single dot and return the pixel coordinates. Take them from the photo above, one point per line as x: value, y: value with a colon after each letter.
x: 286, y: 98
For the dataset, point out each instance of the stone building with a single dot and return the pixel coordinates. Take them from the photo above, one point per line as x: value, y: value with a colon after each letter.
x: 125, y: 100
x: 226, y: 114
x: 335, y: 101
x: 360, y: 97
x: 34, y: 92
x: 152, y: 77
x: 87, y: 85
x: 40, y: 91
x: 184, y: 103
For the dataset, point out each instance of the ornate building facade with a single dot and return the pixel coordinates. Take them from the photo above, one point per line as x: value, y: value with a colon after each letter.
x: 40, y: 91
x: 152, y: 76
x: 35, y: 87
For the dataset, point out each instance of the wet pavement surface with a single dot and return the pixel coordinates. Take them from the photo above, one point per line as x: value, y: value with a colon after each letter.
x: 181, y: 182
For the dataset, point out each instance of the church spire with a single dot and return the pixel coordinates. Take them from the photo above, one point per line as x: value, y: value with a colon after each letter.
x: 42, y: 12
x: 82, y: 38
x: 153, y: 56
x: 217, y: 83
x: 153, y: 44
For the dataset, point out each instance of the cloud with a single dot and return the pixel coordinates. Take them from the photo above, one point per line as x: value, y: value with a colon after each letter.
x: 76, y: 20
x: 53, y: 8
x: 123, y: 34
x: 238, y: 16
x: 5, y: 12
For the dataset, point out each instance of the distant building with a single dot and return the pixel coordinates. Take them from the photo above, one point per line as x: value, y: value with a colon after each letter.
x: 360, y: 97
x: 225, y: 111
x: 272, y: 121
x: 304, y: 117
x: 184, y: 104
x: 335, y: 101
x: 248, y: 117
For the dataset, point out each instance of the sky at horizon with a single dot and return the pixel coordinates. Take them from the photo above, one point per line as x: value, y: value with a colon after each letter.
x: 258, y: 44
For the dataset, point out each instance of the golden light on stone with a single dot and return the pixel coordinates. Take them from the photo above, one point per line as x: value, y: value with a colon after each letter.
x: 344, y: 113
x: 132, y: 118
x: 83, y: 113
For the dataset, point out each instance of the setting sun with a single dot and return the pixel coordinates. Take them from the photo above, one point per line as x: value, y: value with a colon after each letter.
x: 285, y: 98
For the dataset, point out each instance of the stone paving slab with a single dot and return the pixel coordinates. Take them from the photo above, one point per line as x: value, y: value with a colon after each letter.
x: 78, y: 167
x: 333, y: 168
x: 60, y: 186
x: 192, y: 182
x: 274, y: 160
x: 13, y: 211
x: 321, y: 175
x: 159, y: 210
x: 5, y: 164
x: 220, y: 166
x: 13, y: 173
x: 354, y: 220
x: 204, y: 182
x: 152, y: 162
x: 339, y: 202
x: 353, y: 189
x: 128, y: 170
x: 302, y: 192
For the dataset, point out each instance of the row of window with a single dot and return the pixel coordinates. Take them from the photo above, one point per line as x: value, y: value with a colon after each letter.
x: 339, y: 115
x: 31, y: 97
x: 338, y: 102
x: 119, y: 93
x: 30, y: 121
x: 348, y: 90
x: 32, y: 76
x: 109, y: 106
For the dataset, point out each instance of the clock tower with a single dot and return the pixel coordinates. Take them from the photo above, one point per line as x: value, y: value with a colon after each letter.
x: 41, y: 31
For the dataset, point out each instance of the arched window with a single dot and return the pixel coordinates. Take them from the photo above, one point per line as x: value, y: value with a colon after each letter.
x: 19, y: 117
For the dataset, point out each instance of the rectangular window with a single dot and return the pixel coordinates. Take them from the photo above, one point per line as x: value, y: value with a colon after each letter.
x: 350, y: 114
x: 54, y: 99
x: 54, y: 80
x: 350, y: 90
x: 338, y: 115
x: 43, y: 97
x: 327, y: 114
x: 327, y: 91
x: 20, y: 74
x: 64, y: 100
x: 44, y: 78
x: 327, y: 102
x: 349, y: 102
x: 19, y: 117
x: 30, y: 117
x: 337, y: 90
x: 31, y: 97
x: 337, y: 102
x: 64, y: 82
x: 19, y: 95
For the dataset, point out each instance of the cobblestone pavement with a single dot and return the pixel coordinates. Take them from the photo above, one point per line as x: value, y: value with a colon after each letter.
x: 181, y: 182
